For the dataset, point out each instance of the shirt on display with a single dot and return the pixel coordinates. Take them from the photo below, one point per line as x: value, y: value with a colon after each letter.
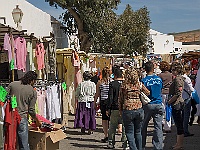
x: 39, y: 53
x: 21, y: 52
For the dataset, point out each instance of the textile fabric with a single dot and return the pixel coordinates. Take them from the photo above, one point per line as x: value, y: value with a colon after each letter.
x: 156, y: 112
x: 154, y: 84
x: 178, y: 119
x: 132, y: 120
x: 85, y: 117
x: 21, y: 52
x: 186, y: 115
x: 85, y: 91
x: 26, y: 98
x: 167, y: 124
x: 113, y: 125
x: 22, y: 132
x: 12, y: 120
x: 39, y: 53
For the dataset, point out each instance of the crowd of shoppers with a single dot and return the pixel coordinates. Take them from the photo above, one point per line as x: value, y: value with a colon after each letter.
x: 120, y: 102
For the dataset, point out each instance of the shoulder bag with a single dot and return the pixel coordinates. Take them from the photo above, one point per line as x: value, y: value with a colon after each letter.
x: 144, y: 99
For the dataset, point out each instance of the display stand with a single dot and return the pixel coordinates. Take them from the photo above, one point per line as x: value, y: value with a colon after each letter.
x: 13, y: 57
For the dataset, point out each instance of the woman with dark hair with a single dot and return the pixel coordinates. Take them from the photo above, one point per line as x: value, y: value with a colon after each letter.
x: 166, y: 77
x: 130, y: 107
x: 102, y: 89
x: 177, y: 102
x: 85, y: 113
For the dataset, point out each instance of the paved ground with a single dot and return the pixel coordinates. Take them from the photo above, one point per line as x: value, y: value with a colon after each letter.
x: 77, y: 141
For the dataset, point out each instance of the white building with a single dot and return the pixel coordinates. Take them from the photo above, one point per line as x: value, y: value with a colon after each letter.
x: 164, y: 44
x: 34, y: 20
x: 187, y: 48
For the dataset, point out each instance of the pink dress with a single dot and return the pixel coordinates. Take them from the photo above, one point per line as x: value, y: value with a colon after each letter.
x: 21, y: 52
x: 76, y: 64
x: 39, y: 53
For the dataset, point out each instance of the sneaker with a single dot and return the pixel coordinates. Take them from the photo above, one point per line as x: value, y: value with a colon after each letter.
x: 125, y: 145
x: 110, y: 146
x: 105, y: 140
x: 187, y: 135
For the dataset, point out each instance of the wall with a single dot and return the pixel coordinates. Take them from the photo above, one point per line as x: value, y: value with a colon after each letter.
x: 187, y: 48
x: 34, y: 20
x: 163, y: 43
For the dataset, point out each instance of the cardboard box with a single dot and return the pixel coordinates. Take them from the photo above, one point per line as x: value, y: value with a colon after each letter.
x: 39, y: 140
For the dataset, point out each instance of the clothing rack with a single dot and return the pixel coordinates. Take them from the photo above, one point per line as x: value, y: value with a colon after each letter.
x: 44, y: 83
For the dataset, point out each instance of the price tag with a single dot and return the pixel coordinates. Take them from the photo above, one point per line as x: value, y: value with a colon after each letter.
x: 14, y: 101
x: 64, y: 86
x: 88, y: 105
x: 12, y: 64
x: 3, y: 94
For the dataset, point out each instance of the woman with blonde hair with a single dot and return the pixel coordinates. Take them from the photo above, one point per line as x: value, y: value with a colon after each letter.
x: 102, y: 89
x: 130, y: 107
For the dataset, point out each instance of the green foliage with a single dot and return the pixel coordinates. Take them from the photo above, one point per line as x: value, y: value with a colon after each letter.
x: 132, y: 31
x: 101, y: 28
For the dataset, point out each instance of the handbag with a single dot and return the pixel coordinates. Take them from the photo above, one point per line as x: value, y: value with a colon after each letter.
x: 195, y: 96
x: 168, y: 111
x: 144, y: 99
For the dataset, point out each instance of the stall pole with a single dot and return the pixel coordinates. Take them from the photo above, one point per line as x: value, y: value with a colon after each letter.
x: 13, y: 57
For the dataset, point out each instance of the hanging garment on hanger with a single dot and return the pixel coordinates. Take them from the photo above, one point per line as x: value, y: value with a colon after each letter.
x: 8, y: 47
x: 12, y: 120
x: 41, y: 102
x: 39, y: 53
x: 56, y: 100
x: 21, y: 52
x: 49, y: 96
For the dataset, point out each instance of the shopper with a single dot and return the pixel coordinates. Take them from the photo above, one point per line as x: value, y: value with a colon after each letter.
x: 188, y: 89
x: 85, y: 112
x: 26, y: 98
x: 102, y: 89
x: 131, y: 109
x: 153, y: 109
x: 177, y: 102
x: 197, y: 88
x: 112, y: 108
x: 166, y: 77
x: 157, y: 69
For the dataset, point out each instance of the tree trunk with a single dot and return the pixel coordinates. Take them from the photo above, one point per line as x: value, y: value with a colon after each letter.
x: 85, y: 41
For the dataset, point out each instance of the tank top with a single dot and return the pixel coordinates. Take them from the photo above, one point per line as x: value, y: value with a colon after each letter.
x: 104, y: 88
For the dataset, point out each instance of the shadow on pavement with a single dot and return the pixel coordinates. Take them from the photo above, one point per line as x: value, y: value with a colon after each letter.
x: 81, y: 139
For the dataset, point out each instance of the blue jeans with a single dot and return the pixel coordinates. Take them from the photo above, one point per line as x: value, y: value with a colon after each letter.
x: 132, y: 120
x: 155, y: 111
x: 22, y: 133
x: 186, y: 115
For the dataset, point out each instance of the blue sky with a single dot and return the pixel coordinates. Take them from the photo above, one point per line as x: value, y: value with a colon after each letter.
x: 167, y: 16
